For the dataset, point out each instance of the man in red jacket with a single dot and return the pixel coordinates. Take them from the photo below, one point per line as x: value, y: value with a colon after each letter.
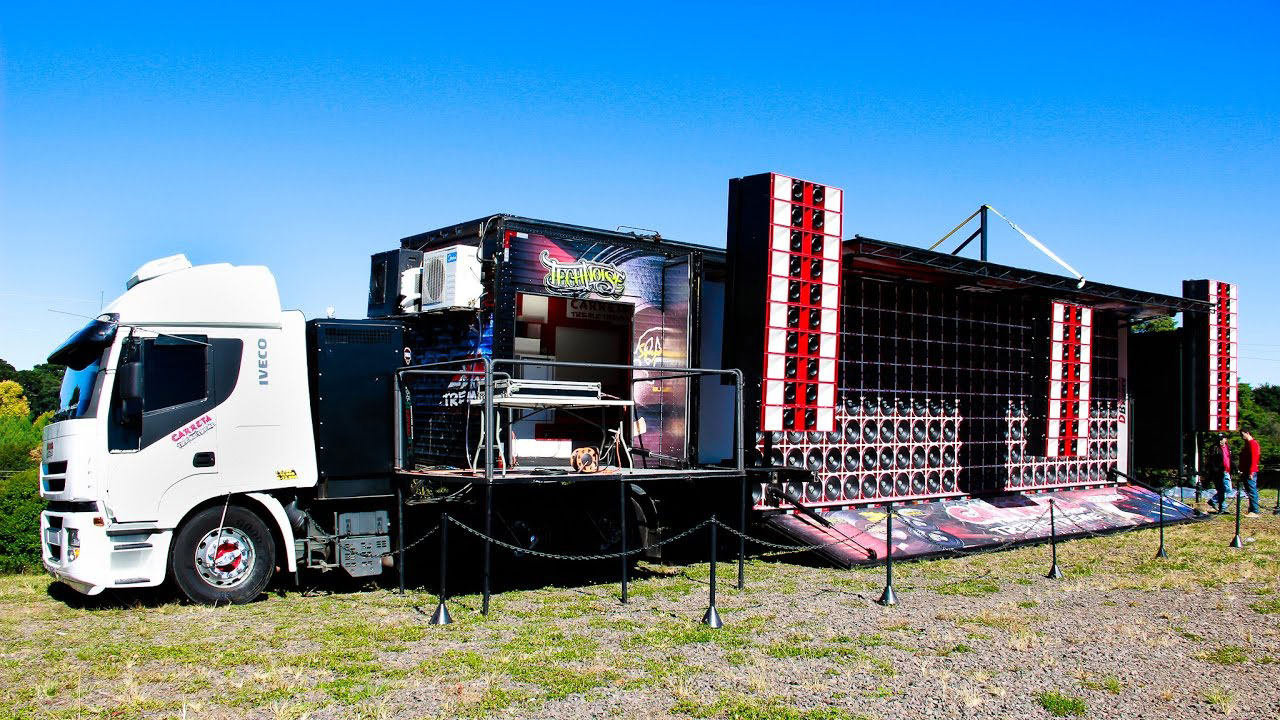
x: 1249, y: 470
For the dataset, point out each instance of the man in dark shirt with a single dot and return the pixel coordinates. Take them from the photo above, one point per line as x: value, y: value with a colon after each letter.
x: 1219, y: 500
x: 1249, y: 470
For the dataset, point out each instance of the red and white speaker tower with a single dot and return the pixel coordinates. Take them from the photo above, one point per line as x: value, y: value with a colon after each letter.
x: 1067, y: 419
x: 1212, y: 343
x: 802, y: 323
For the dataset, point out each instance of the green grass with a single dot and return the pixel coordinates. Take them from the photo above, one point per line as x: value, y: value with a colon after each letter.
x: 740, y: 707
x: 1108, y: 683
x: 1060, y: 705
x: 1222, y: 698
x: 1270, y: 606
x: 1225, y: 655
x: 975, y: 587
x: 558, y: 651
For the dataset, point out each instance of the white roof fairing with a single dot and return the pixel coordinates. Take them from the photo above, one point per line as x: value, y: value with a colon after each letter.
x: 205, y: 294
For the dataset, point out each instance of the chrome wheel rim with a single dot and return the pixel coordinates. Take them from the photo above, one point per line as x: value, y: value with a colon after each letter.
x: 225, y: 558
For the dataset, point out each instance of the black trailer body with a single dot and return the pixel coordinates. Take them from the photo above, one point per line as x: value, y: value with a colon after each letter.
x: 557, y: 293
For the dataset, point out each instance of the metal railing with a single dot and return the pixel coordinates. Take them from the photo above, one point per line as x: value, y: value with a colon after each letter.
x: 459, y: 368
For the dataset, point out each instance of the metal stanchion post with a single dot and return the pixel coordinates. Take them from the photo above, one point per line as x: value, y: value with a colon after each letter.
x: 400, y: 568
x: 888, y: 598
x: 622, y: 506
x: 1236, y: 542
x: 742, y: 537
x: 1277, y: 510
x: 712, y: 617
x: 1055, y: 573
x: 441, y: 615
x: 1161, y: 552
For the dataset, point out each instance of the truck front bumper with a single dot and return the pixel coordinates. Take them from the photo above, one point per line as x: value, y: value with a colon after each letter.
x: 91, y: 558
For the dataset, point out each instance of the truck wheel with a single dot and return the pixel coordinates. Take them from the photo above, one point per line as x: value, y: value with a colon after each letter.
x: 229, y: 564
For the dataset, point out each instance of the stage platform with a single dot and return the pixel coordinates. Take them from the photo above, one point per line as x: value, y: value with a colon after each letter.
x: 966, y: 525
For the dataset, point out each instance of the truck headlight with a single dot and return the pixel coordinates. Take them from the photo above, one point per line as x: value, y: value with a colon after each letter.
x: 73, y: 544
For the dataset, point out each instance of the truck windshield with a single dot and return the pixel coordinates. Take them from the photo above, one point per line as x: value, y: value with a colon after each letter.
x: 82, y: 354
x: 76, y: 397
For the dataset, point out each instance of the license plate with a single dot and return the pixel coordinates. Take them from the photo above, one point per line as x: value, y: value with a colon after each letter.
x: 53, y: 536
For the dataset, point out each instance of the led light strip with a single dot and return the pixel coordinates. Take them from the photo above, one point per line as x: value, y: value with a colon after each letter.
x: 802, y: 319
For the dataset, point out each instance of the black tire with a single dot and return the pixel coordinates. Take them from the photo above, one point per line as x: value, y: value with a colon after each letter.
x: 244, y: 560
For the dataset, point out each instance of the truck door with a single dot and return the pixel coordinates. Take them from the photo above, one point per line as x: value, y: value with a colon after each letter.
x: 163, y: 419
x: 665, y: 403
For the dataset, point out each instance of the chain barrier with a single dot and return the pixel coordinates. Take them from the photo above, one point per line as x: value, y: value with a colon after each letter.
x: 799, y: 548
x: 555, y: 556
x: 404, y: 549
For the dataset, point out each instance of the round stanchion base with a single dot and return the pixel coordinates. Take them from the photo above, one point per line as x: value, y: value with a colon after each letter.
x: 712, y: 618
x: 1236, y: 543
x: 888, y: 598
x: 1161, y: 554
x: 1055, y: 572
x: 441, y: 616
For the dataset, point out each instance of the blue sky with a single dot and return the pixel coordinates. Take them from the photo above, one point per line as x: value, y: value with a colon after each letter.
x: 1140, y: 142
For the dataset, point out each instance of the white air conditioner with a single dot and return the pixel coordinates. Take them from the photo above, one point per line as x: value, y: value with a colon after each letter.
x: 449, y: 279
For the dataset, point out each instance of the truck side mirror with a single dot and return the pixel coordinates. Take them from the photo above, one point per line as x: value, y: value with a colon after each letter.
x: 129, y: 389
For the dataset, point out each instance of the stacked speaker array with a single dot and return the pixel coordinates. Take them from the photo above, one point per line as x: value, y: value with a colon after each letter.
x: 1067, y: 417
x: 1210, y: 354
x: 803, y: 294
x: 909, y: 345
x: 1099, y: 452
x: 1223, y: 400
x: 880, y: 449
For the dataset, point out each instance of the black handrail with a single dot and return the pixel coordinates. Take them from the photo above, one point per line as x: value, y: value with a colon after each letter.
x: 668, y: 373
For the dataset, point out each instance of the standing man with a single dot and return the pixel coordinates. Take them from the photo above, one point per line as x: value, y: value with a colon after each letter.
x: 1249, y: 468
x: 1218, y: 503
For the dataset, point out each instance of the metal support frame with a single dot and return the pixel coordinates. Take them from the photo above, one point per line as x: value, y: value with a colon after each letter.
x: 1236, y: 542
x: 1055, y: 573
x: 441, y: 615
x: 400, y: 535
x: 458, y: 367
x: 742, y: 537
x: 888, y: 598
x: 982, y: 228
x: 864, y: 247
x: 712, y: 617
x: 1161, y: 553
x: 622, y: 508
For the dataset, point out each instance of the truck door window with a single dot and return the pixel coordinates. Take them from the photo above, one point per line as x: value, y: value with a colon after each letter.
x: 174, y: 372
x: 176, y: 383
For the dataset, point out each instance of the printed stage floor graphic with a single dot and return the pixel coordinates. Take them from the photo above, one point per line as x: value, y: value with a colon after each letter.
x: 946, y: 527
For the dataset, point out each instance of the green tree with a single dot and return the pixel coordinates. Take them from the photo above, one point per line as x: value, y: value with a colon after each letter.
x: 1263, y: 422
x: 19, y: 440
x: 1160, y: 324
x: 1267, y: 397
x: 13, y: 401
x: 43, y: 384
x: 20, y: 506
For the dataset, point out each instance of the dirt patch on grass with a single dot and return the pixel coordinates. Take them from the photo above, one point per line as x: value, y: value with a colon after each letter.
x: 1123, y: 635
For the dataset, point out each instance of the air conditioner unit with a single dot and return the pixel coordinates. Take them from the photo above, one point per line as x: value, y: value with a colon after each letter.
x: 449, y: 279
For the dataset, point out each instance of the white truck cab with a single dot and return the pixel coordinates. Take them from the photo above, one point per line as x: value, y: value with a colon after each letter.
x: 185, y: 416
